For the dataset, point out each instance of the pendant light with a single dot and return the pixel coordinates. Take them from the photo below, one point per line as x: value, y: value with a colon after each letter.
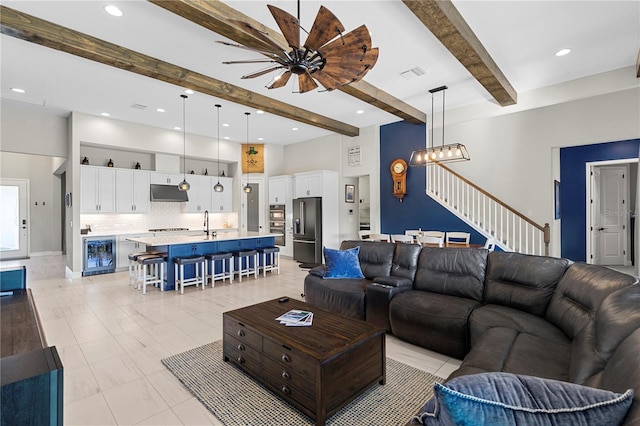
x: 184, y: 185
x: 449, y: 153
x: 218, y: 186
x: 247, y: 187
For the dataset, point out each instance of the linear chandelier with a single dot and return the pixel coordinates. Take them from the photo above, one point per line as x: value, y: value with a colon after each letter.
x: 449, y: 153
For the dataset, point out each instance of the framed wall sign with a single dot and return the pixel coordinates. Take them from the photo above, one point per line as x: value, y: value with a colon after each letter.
x: 253, y: 158
x: 349, y: 193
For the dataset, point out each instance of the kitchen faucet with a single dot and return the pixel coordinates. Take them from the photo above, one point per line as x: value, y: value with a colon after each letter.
x: 206, y: 222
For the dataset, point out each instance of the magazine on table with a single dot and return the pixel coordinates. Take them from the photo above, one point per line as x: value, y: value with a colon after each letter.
x: 296, y: 318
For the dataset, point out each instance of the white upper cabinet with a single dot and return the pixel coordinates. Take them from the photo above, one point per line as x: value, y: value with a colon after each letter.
x: 309, y: 184
x: 167, y: 178
x: 280, y: 189
x: 223, y: 201
x: 97, y: 189
x: 132, y: 191
x: 199, y: 194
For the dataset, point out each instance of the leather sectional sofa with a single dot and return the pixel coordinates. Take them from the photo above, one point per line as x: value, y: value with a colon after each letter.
x: 500, y: 311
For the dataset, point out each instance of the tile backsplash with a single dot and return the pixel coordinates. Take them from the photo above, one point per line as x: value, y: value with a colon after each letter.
x: 161, y: 215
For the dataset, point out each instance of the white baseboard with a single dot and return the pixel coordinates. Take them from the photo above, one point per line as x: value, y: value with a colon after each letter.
x: 69, y: 274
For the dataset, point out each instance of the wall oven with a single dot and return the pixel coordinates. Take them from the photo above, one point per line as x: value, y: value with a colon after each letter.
x: 277, y: 222
x: 99, y: 255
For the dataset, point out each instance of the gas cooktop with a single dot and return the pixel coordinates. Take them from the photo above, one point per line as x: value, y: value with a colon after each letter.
x: 168, y: 229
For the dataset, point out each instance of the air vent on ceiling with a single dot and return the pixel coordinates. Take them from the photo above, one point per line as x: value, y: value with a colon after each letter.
x: 138, y: 106
x: 412, y: 73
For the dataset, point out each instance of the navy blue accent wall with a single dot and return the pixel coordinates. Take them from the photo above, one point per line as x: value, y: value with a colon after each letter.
x: 573, y: 190
x: 417, y: 209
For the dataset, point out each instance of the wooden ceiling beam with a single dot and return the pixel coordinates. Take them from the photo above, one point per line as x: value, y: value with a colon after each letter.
x: 215, y: 16
x: 445, y: 22
x: 35, y: 30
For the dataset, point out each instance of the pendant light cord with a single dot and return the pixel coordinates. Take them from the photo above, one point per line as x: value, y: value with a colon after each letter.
x: 218, y: 106
x: 184, y: 138
x: 443, y: 92
x: 248, y: 171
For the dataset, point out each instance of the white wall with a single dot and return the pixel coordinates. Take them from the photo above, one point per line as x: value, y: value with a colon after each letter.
x: 45, y: 197
x: 28, y: 129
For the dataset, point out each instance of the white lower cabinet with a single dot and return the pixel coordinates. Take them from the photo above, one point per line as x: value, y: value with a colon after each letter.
x: 125, y: 247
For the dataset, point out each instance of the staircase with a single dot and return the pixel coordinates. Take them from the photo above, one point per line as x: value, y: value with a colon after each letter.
x: 511, y: 230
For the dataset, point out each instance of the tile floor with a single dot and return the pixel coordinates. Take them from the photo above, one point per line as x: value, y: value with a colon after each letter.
x: 111, y: 339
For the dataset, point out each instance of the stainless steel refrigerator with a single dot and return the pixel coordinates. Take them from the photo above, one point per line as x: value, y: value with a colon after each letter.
x: 307, y: 230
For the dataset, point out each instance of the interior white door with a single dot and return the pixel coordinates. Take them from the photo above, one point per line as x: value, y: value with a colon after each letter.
x: 594, y: 215
x: 14, y: 218
x: 612, y: 215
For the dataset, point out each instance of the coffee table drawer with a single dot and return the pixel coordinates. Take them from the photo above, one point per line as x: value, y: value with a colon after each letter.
x: 247, y: 360
x: 276, y: 373
x: 242, y: 333
x: 239, y: 348
x: 289, y: 358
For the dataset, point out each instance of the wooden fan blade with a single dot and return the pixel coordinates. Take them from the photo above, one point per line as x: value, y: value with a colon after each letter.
x: 306, y: 83
x: 289, y: 25
x: 353, y: 40
x: 281, y: 82
x: 326, y: 80
x: 258, y: 34
x: 348, y: 69
x: 268, y: 53
x: 324, y: 29
x: 262, y: 72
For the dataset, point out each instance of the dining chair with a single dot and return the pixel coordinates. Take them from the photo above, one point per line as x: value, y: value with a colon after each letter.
x: 490, y: 244
x: 379, y: 237
x: 400, y: 238
x: 438, y: 234
x: 364, y: 235
x: 413, y: 232
x: 427, y: 240
x: 458, y: 237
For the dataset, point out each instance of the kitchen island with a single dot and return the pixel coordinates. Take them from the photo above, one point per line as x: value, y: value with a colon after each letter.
x: 189, y: 245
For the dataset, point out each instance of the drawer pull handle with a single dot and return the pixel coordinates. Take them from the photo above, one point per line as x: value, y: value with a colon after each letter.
x: 286, y: 390
x: 241, y: 360
x: 286, y: 375
x: 241, y: 333
x: 286, y: 358
x: 241, y: 347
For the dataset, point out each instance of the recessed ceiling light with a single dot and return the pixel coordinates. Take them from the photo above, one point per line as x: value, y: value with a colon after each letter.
x: 176, y: 128
x: 113, y: 10
x: 17, y: 90
x: 226, y: 137
x: 160, y: 109
x: 294, y: 128
x: 360, y: 111
x: 260, y: 139
x: 259, y: 111
x: 225, y: 124
x: 563, y: 52
x: 189, y: 91
x: 105, y: 114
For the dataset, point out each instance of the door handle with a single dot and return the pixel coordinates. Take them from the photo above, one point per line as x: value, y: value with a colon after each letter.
x: 602, y: 229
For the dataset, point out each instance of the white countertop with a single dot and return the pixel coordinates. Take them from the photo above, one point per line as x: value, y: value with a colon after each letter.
x: 104, y: 233
x: 167, y: 240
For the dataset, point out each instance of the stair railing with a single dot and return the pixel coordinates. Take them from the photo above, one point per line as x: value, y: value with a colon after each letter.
x: 511, y: 230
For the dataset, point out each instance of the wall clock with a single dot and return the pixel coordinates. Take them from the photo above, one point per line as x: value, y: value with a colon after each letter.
x: 399, y: 175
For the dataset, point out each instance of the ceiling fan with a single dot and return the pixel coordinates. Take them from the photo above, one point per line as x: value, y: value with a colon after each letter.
x: 328, y: 56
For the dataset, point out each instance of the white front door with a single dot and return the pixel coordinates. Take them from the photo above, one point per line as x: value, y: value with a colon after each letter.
x: 612, y: 215
x: 14, y: 218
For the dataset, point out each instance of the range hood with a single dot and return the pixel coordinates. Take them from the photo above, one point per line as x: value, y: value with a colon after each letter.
x: 168, y: 193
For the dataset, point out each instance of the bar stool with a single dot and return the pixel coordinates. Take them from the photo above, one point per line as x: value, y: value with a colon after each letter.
x: 151, y: 271
x: 246, y: 255
x: 199, y: 277
x: 133, y: 267
x: 273, y: 255
x: 224, y: 259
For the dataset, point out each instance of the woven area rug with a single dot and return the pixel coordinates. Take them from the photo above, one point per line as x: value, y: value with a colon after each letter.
x: 236, y: 399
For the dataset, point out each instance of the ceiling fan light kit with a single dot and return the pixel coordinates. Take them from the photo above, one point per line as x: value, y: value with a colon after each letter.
x: 328, y: 56
x: 449, y: 153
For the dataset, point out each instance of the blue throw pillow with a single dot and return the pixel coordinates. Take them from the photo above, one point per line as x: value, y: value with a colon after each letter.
x: 506, y: 399
x: 342, y: 263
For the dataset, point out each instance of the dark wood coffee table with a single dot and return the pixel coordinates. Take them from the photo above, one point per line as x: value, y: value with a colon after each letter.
x: 318, y: 369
